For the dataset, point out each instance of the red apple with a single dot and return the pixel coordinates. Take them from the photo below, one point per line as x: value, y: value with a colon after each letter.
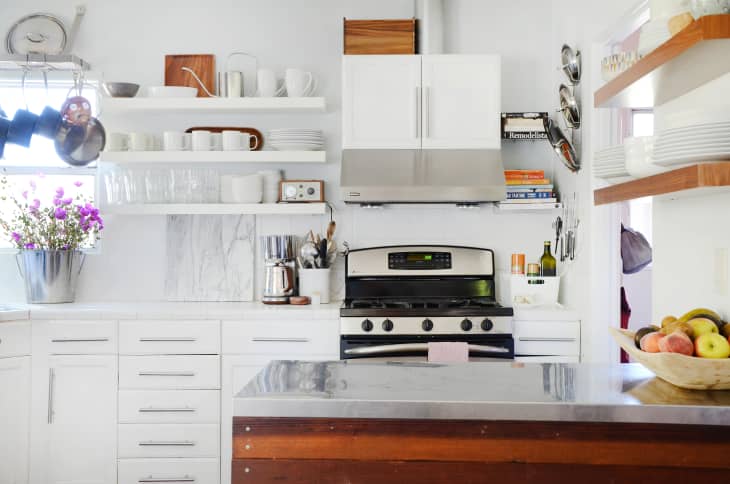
x: 650, y: 342
x: 712, y: 345
x: 677, y: 342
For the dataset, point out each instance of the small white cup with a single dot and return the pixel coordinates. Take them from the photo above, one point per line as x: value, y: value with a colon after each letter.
x: 233, y: 141
x: 268, y: 84
x: 201, y: 140
x: 117, y: 142
x: 173, y: 141
x: 140, y: 142
x: 216, y: 141
x: 187, y: 141
x: 299, y: 83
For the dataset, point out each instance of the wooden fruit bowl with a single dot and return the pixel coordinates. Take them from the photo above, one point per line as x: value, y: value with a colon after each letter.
x: 681, y: 370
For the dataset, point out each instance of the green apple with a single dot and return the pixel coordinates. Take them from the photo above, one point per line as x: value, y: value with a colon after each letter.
x: 702, y: 326
x: 712, y: 345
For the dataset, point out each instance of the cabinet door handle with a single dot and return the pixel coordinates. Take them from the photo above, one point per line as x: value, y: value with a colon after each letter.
x: 418, y: 112
x: 172, y: 443
x: 151, y: 479
x: 51, y: 384
x: 428, y: 112
x: 271, y: 339
x: 546, y: 339
x: 166, y: 373
x: 168, y: 340
x: 79, y: 340
x: 166, y: 410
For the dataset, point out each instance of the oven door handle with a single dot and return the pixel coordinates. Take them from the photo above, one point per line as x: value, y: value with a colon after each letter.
x: 416, y: 348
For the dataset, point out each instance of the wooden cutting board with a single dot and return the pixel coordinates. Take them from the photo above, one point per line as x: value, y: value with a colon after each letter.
x: 202, y: 64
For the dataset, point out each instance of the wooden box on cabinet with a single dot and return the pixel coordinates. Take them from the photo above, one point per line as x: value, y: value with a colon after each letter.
x: 380, y: 36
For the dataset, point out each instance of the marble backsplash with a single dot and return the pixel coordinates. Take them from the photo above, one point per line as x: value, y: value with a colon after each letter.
x: 210, y: 258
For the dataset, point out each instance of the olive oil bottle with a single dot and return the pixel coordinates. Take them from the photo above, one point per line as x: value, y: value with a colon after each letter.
x: 548, y: 264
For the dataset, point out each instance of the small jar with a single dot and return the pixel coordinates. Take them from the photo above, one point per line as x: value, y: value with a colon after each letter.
x: 518, y: 263
x: 533, y: 270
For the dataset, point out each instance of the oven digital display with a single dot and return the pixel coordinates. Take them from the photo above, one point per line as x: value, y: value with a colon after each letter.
x: 419, y: 260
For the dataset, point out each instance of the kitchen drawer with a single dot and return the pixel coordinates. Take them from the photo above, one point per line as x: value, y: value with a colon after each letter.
x: 15, y: 339
x: 568, y: 330
x: 559, y: 338
x: 295, y: 338
x: 173, y: 471
x: 169, y: 372
x: 75, y: 337
x: 169, y: 338
x: 169, y: 406
x: 167, y: 440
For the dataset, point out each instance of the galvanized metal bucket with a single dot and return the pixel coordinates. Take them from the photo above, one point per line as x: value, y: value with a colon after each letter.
x: 50, y: 275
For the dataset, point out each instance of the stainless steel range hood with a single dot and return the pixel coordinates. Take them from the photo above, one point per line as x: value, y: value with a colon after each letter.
x: 422, y: 176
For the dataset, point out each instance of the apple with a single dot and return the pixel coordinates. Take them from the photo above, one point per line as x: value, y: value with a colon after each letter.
x: 702, y: 326
x: 650, y: 342
x: 677, y: 342
x: 712, y: 345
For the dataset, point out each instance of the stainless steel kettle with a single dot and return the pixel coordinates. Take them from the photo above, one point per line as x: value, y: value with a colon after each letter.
x: 278, y: 282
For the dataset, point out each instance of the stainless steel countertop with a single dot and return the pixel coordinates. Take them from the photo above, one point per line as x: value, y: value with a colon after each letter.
x: 484, y: 391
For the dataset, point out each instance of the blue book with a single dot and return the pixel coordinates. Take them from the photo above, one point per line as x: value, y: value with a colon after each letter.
x: 519, y: 195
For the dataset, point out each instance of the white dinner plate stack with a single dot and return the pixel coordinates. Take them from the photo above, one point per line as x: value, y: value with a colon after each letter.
x: 297, y: 139
x: 705, y: 142
x: 610, y: 162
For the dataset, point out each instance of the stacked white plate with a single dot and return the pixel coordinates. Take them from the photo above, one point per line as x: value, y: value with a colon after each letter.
x: 298, y: 139
x: 271, y: 179
x: 696, y: 143
x: 610, y: 162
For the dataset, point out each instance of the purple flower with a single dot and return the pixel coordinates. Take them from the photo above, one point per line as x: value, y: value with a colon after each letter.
x: 57, y: 201
x: 67, y: 201
x: 25, y: 194
x: 33, y: 208
x: 78, y: 183
x: 16, y: 237
x: 59, y: 192
x: 33, y: 185
x: 59, y: 214
x: 65, y: 247
x: 30, y: 245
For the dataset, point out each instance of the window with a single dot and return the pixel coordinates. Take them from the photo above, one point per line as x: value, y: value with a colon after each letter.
x: 40, y: 162
x: 642, y: 123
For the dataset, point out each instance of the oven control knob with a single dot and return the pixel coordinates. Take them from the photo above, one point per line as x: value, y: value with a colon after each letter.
x: 487, y: 324
x: 367, y: 325
x: 387, y: 325
x: 427, y: 325
x: 466, y: 325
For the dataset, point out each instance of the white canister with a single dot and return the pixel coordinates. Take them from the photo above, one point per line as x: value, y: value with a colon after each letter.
x: 315, y: 282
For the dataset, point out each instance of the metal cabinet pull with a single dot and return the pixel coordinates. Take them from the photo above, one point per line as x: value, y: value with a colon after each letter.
x: 166, y: 373
x: 547, y: 339
x: 428, y: 112
x: 416, y: 348
x: 418, y: 112
x: 51, y: 385
x: 150, y: 479
x: 272, y: 339
x: 80, y: 340
x: 166, y: 410
x: 157, y: 443
x: 168, y: 340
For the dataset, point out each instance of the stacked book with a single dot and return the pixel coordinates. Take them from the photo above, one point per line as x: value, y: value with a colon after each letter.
x: 528, y: 186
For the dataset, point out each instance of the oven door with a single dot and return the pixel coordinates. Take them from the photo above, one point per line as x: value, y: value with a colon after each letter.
x: 481, y: 347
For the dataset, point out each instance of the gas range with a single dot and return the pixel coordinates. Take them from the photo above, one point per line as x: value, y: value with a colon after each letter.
x: 399, y: 299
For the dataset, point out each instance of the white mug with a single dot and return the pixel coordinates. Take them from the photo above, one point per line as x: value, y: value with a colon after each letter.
x: 233, y: 141
x: 173, y: 141
x: 216, y: 141
x: 267, y: 84
x: 187, y: 141
x: 140, y: 142
x: 201, y: 140
x: 299, y: 83
x: 117, y: 142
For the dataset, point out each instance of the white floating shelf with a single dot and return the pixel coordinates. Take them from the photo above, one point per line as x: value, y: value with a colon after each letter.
x: 130, y: 157
x: 213, y: 105
x: 217, y: 209
x: 61, y: 62
x: 527, y: 207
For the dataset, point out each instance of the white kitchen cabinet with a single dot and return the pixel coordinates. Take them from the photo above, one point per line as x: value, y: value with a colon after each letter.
x: 461, y: 101
x: 547, y: 341
x: 381, y: 101
x: 73, y: 423
x: 14, y: 419
x: 413, y: 101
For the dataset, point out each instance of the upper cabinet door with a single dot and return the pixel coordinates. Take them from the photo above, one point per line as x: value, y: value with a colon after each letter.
x: 381, y: 101
x: 461, y: 101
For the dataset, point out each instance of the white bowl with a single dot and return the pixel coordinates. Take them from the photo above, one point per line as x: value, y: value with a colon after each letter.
x: 247, y: 189
x: 171, y: 91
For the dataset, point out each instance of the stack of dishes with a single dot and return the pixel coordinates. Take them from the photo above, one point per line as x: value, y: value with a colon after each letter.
x: 298, y: 139
x: 271, y: 179
x: 639, y: 156
x: 610, y: 163
x: 695, y: 143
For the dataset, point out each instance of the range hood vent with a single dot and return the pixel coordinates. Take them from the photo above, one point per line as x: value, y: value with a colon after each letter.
x: 462, y: 177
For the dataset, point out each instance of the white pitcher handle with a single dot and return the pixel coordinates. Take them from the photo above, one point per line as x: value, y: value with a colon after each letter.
x: 311, y: 85
x: 256, y: 145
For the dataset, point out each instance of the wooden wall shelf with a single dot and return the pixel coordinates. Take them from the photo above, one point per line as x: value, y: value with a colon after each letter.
x: 683, y: 182
x: 695, y: 56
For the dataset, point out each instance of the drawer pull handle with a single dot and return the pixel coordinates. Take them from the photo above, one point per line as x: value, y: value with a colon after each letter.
x: 168, y: 340
x: 166, y: 373
x: 268, y: 339
x: 156, y: 443
x: 166, y: 410
x: 80, y: 340
x: 560, y: 340
x: 151, y: 479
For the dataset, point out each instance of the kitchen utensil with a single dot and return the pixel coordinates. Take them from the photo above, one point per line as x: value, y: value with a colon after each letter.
x: 38, y: 33
x: 203, y: 66
x: 201, y: 140
x: 93, y: 139
x: 256, y: 141
x: 120, y: 89
x: 278, y: 283
x: 231, y: 83
x: 48, y: 123
x: 314, y: 283
x: 571, y: 63
x: 380, y: 36
x: 237, y: 141
x: 278, y: 247
x: 323, y: 253
x: 21, y: 127
x: 569, y: 107
x: 309, y: 252
x: 171, y: 91
x: 331, y: 229
x: 299, y: 83
x: 558, y: 226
